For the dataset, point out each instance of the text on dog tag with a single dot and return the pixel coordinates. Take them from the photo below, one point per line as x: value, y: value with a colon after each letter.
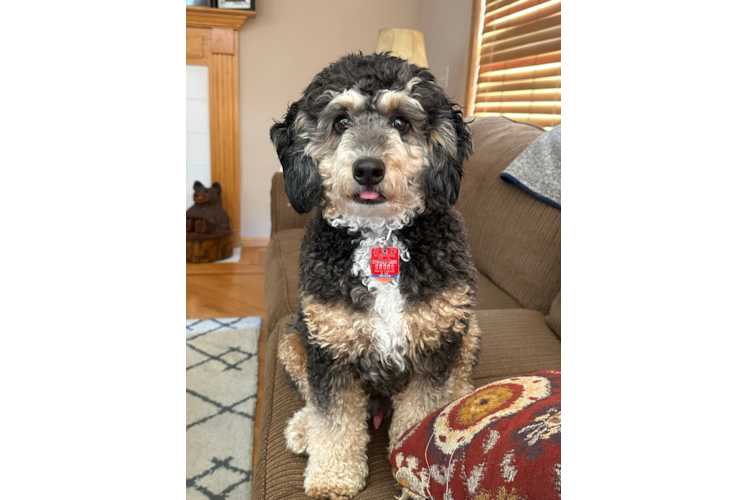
x: 385, y: 263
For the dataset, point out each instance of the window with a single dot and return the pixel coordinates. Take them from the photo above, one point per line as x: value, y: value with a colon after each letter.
x: 515, y: 64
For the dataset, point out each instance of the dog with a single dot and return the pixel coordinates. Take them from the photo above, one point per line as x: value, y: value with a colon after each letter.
x: 387, y: 284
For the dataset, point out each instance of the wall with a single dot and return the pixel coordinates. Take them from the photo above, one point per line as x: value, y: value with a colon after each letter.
x: 446, y: 30
x: 290, y: 41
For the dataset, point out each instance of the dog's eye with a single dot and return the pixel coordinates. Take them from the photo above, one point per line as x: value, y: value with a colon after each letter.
x: 401, y: 124
x: 341, y: 124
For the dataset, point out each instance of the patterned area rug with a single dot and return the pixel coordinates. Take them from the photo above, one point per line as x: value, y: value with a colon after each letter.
x: 221, y: 399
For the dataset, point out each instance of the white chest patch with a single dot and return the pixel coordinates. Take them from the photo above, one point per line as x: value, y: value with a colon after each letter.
x: 390, y: 330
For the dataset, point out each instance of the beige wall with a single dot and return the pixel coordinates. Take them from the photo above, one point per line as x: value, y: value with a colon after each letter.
x: 446, y: 30
x: 290, y: 41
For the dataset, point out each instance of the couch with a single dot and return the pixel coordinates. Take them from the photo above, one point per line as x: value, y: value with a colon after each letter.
x: 515, y: 240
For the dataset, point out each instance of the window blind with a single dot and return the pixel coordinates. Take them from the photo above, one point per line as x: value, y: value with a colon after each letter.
x: 515, y: 68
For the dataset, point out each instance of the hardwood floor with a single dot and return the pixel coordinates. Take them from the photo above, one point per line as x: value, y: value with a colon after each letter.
x: 231, y: 290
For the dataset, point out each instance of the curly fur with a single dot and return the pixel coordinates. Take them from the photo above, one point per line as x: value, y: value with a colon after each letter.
x: 413, y: 339
x: 306, y: 127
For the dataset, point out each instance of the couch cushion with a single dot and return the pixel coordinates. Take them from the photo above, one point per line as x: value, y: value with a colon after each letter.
x: 554, y: 316
x: 282, y: 275
x: 514, y: 341
x: 503, y: 440
x: 492, y: 297
x: 282, y: 214
x: 515, y: 238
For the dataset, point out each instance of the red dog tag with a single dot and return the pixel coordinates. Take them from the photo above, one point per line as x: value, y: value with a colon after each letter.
x: 385, y: 264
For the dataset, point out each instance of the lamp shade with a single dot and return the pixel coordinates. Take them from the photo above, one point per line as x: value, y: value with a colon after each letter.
x: 406, y: 44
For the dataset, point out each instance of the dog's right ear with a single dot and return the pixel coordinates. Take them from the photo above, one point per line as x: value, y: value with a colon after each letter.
x: 303, y: 181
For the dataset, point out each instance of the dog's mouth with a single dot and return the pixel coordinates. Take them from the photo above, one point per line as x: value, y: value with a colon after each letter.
x: 369, y: 197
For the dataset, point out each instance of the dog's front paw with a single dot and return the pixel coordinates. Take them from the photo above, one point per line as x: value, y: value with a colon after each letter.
x: 335, y: 481
x: 334, y: 489
x: 296, y: 432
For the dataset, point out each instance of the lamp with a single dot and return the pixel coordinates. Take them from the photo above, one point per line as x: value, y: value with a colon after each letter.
x: 406, y: 44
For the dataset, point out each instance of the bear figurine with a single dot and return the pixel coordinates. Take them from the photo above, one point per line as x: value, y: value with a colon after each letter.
x: 207, y: 215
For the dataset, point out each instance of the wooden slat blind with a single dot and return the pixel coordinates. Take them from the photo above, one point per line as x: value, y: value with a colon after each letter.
x: 516, y: 61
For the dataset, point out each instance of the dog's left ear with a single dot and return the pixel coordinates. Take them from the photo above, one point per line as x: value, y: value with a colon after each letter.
x: 450, y: 144
x: 303, y: 181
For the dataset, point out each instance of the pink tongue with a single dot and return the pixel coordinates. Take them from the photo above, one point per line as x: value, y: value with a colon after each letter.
x: 378, y: 417
x: 369, y: 195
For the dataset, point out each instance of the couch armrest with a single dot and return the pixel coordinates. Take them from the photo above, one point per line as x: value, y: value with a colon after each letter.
x: 554, y: 316
x: 282, y: 214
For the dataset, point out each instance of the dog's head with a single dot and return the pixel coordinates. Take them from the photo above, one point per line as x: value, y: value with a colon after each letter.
x: 372, y: 136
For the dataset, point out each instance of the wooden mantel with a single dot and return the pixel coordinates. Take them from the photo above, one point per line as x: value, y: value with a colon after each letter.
x: 205, y: 17
x: 213, y: 41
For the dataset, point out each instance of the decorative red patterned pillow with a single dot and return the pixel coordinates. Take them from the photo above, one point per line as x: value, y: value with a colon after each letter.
x: 500, y: 442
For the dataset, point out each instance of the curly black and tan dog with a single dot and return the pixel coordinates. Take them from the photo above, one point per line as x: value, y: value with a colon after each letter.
x: 387, y: 285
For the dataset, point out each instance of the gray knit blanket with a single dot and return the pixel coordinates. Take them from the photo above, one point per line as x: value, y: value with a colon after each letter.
x: 537, y: 169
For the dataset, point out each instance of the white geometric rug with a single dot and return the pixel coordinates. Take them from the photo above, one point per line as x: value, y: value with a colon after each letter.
x: 221, y: 400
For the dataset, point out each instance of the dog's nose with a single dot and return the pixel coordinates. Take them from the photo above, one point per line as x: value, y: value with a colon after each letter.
x: 368, y: 171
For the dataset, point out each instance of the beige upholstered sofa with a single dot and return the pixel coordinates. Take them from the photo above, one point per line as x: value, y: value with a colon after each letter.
x: 515, y: 240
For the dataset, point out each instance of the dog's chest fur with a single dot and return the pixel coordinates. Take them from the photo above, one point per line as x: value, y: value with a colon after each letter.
x: 389, y: 345
x: 352, y: 323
